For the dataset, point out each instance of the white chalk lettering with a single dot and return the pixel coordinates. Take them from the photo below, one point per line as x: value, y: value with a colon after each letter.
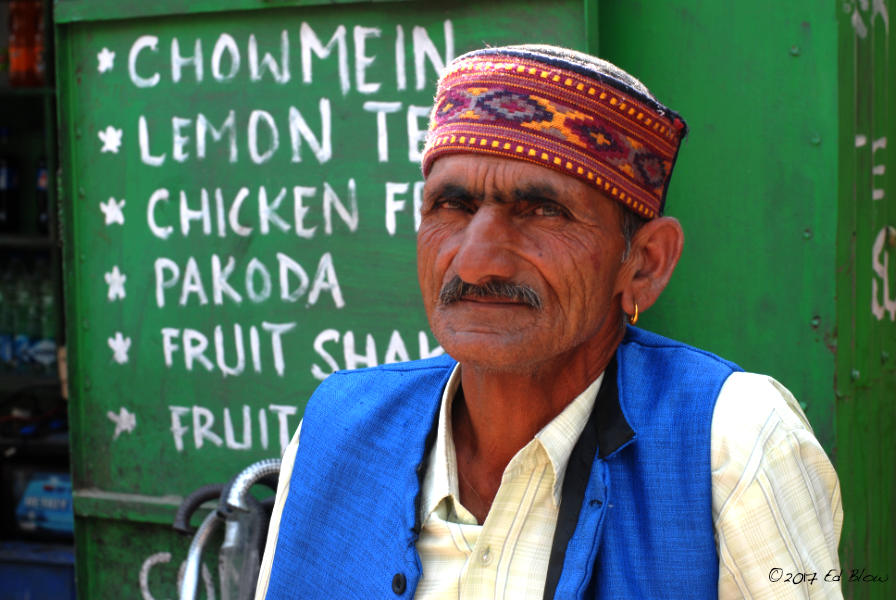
x: 280, y: 72
x: 425, y: 48
x: 273, y: 216
x: 160, y: 195
x: 882, y: 302
x: 325, y: 280
x: 179, y: 140
x: 382, y: 133
x: 233, y: 217
x: 254, y: 271
x: 178, y: 62
x: 188, y: 214
x: 192, y: 284
x: 401, y: 78
x: 203, y: 419
x: 396, y: 350
x: 273, y: 136
x: 164, y: 265
x: 268, y: 57
x: 362, y: 61
x: 267, y: 212
x: 300, y: 210
x: 229, y: 438
x: 283, y: 414
x: 394, y: 204
x: 178, y: 430
x: 202, y: 424
x: 311, y: 44
x: 416, y: 134
x: 227, y: 44
x: 348, y: 215
x: 228, y: 127
x: 194, y: 344
x: 143, y: 42
x: 220, y: 285
x: 276, y: 330
x: 418, y: 203
x: 146, y: 156
x: 287, y: 266
x: 240, y: 353
x: 299, y: 130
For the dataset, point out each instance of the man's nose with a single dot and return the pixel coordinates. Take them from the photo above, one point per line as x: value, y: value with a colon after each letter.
x: 486, y: 247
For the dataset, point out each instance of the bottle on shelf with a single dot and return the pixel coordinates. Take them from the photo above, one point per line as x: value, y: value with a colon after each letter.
x: 22, y: 33
x: 4, y: 64
x: 7, y: 292
x: 43, y: 208
x: 43, y: 348
x: 26, y: 322
x: 39, y: 45
x: 8, y: 206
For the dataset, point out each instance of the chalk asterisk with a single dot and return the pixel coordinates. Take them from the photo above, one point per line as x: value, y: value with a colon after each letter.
x: 116, y: 280
x: 106, y: 59
x: 111, y: 138
x: 120, y: 346
x: 124, y: 421
x: 112, y: 210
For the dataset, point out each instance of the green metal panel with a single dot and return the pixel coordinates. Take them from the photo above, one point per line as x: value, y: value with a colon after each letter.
x: 866, y: 296
x: 70, y: 11
x: 754, y: 187
x: 195, y: 372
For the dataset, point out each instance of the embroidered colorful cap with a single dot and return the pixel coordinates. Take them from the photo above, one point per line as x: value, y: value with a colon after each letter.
x: 561, y: 109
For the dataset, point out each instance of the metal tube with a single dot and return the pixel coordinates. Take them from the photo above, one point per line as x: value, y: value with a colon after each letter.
x: 188, y: 584
x: 235, y: 496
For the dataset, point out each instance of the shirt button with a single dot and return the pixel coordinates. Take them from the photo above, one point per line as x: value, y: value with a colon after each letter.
x: 399, y: 583
x: 486, y: 556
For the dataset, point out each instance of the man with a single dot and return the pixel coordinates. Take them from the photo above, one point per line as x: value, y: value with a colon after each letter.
x: 565, y: 454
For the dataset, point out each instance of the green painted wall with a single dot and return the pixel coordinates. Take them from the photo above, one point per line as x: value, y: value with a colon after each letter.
x: 866, y: 297
x: 754, y: 187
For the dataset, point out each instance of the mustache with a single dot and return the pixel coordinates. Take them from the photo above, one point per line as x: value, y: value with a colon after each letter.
x: 457, y: 289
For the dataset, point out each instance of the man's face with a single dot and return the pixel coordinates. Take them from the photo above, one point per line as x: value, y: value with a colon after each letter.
x: 487, y: 219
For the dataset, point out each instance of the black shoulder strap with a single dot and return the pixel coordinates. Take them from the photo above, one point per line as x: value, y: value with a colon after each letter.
x: 605, y: 431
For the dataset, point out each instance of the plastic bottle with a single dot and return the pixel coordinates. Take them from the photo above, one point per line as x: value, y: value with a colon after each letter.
x: 43, y: 209
x: 7, y: 178
x: 21, y: 42
x: 7, y: 199
x: 26, y: 324
x: 43, y: 349
x: 6, y: 314
x: 39, y: 64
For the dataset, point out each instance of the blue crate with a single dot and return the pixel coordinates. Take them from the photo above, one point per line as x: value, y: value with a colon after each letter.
x: 33, y: 570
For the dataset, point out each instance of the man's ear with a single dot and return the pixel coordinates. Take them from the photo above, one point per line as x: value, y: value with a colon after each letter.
x: 656, y: 248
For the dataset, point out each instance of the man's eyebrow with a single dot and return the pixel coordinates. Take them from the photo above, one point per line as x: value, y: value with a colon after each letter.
x: 452, y: 191
x: 535, y: 193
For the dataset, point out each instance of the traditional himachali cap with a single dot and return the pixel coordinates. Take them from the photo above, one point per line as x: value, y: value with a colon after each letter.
x: 553, y: 107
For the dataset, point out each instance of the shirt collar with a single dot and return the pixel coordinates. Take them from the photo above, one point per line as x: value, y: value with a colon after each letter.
x: 557, y: 438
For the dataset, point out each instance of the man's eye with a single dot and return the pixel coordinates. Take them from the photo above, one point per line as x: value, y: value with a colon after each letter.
x: 451, y: 204
x: 549, y: 209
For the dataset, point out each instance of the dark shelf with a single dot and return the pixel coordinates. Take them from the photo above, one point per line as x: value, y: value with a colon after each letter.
x: 14, y: 381
x: 10, y: 91
x: 25, y: 241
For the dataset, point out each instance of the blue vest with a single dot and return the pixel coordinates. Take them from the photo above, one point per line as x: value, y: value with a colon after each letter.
x: 636, y: 516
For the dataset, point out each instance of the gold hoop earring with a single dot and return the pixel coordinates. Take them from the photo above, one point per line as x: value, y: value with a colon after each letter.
x: 634, y: 318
